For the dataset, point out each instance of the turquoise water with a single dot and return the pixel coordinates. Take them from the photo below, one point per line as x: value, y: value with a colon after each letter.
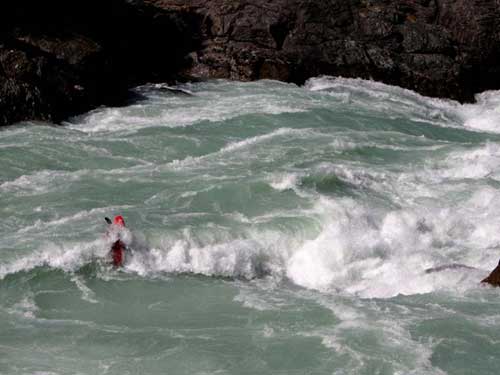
x: 274, y: 229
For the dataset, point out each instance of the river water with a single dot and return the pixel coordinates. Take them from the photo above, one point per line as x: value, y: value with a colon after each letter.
x: 273, y: 229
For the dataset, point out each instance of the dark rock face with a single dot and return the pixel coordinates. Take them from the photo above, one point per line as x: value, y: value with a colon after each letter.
x: 445, y: 48
x: 59, y: 58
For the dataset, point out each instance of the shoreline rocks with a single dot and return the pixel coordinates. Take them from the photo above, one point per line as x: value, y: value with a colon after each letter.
x: 60, y: 58
x: 438, y: 48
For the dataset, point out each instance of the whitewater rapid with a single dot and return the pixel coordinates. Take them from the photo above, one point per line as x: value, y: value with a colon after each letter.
x: 369, y: 208
x: 272, y: 228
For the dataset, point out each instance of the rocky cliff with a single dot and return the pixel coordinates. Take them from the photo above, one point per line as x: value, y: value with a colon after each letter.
x: 59, y: 58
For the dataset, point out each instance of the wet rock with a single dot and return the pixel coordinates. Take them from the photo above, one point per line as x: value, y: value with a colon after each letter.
x: 494, y: 277
x: 438, y: 48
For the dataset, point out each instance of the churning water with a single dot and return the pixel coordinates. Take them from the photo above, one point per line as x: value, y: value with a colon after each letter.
x: 274, y: 229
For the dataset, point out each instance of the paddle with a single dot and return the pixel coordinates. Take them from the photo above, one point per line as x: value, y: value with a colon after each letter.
x: 108, y: 220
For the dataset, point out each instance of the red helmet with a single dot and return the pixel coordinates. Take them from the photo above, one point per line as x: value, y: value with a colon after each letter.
x: 118, y: 220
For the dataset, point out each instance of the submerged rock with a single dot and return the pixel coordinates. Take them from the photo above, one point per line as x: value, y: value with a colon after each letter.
x: 494, y: 277
x: 59, y: 58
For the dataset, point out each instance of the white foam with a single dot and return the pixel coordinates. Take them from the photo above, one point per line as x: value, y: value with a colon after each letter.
x: 485, y: 114
x: 284, y: 181
x: 217, y: 101
x: 396, y: 102
x: 260, y: 138
x: 25, y: 308
x: 87, y: 293
x: 231, y: 147
x: 480, y: 162
x: 237, y: 258
x: 68, y: 257
x: 391, y: 101
x: 356, y: 255
x: 212, y: 101
x: 40, y: 182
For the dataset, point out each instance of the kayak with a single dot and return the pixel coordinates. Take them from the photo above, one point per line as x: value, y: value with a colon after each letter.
x: 118, y: 253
